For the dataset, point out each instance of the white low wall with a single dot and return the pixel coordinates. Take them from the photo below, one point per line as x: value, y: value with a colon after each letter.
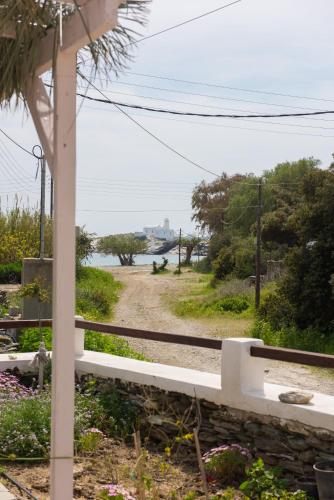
x: 240, y: 385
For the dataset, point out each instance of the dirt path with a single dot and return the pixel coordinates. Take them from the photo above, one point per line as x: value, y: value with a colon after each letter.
x: 144, y: 304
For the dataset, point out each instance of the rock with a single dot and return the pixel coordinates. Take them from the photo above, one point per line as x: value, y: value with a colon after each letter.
x: 294, y: 427
x: 295, y: 397
x: 307, y: 456
x: 298, y: 444
x: 78, y: 470
x: 323, y: 434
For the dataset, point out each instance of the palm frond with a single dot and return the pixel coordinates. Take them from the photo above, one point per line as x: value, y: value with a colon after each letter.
x: 33, y: 19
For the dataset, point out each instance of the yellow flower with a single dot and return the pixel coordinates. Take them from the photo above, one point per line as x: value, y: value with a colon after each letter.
x: 168, y: 451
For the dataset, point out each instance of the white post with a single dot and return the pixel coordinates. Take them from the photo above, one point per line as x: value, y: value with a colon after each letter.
x: 79, y: 340
x: 241, y: 373
x: 63, y: 346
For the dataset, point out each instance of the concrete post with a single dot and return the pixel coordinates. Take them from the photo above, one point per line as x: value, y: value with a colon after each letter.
x: 241, y: 373
x: 79, y: 339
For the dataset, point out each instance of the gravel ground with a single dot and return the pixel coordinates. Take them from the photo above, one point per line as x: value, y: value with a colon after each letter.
x: 144, y: 304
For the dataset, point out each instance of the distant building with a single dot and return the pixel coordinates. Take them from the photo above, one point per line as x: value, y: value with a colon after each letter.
x: 161, y: 232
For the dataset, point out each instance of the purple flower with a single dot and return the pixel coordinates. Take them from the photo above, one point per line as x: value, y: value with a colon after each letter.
x: 114, y: 490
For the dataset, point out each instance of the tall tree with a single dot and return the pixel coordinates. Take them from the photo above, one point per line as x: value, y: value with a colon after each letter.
x: 124, y: 246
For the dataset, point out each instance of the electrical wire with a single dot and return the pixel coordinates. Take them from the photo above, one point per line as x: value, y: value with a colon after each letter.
x: 239, y: 89
x: 154, y: 136
x: 106, y: 100
x: 16, y: 143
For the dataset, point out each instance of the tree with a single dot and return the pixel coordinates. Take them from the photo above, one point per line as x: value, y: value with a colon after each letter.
x: 124, y: 246
x: 308, y: 285
x: 210, y: 200
x: 189, y: 244
x: 84, y: 247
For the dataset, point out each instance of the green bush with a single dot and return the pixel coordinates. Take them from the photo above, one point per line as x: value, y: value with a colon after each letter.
x: 10, y: 273
x: 29, y: 341
x: 291, y: 337
x: 276, y: 310
x: 97, y: 292
x: 234, y: 304
x: 25, y: 423
x: 265, y: 484
x: 202, y: 266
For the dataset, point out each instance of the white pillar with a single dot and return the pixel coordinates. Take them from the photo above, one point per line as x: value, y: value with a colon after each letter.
x: 241, y: 373
x: 79, y: 339
x: 63, y: 346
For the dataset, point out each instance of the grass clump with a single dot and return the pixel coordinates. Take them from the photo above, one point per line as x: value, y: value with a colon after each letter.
x: 97, y: 293
x: 232, y: 298
x: 10, y: 273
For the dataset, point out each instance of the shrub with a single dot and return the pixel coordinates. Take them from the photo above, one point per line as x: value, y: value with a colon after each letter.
x: 202, y: 266
x: 90, y: 440
x: 97, y: 292
x: 10, y: 273
x: 236, y: 304
x: 227, y: 463
x: 29, y: 341
x: 265, y: 484
x: 224, y: 263
x: 276, y: 310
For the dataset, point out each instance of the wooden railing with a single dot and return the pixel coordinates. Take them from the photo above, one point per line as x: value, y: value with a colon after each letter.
x: 273, y: 353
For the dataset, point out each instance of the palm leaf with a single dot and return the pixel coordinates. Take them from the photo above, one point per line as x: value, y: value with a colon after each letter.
x: 33, y: 19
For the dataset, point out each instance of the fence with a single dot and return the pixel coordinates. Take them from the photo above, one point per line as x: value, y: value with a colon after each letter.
x: 266, y: 352
x: 240, y: 385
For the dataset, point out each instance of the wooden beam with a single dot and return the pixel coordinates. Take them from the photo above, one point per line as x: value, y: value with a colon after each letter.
x: 42, y: 114
x: 96, y: 16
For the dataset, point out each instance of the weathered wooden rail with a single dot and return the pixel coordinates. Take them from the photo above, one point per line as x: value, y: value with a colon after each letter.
x: 267, y: 352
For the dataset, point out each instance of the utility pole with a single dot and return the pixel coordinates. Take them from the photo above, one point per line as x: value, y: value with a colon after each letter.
x: 42, y: 211
x: 180, y: 251
x: 51, y: 198
x: 258, y: 247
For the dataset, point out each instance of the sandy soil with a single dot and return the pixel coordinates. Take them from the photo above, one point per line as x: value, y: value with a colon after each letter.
x: 144, y: 303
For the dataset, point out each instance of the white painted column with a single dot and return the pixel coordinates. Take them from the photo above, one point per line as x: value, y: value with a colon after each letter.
x: 241, y: 373
x: 63, y: 346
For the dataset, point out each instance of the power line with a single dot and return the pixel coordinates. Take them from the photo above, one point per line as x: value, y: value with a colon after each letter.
x: 155, y: 117
x: 106, y: 100
x: 239, y: 89
x: 163, y: 143
x: 222, y: 98
x: 16, y: 143
x: 218, y: 107
x: 187, y: 21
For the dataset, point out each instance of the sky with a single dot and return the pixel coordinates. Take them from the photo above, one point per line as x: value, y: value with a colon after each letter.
x: 125, y: 178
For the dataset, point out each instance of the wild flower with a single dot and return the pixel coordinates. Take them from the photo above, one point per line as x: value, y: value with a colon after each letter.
x: 11, y: 388
x: 115, y: 491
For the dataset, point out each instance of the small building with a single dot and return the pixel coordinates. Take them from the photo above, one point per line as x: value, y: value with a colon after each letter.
x: 160, y: 232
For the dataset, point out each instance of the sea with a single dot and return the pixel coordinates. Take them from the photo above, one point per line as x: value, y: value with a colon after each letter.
x: 99, y: 260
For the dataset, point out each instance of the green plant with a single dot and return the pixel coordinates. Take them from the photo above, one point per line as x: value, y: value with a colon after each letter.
x: 97, y: 292
x: 120, y: 413
x: 265, y: 484
x: 161, y: 268
x: 10, y: 273
x: 227, y: 463
x: 236, y: 304
x: 90, y: 440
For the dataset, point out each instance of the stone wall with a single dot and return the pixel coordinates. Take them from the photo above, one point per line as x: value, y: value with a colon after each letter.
x: 165, y: 415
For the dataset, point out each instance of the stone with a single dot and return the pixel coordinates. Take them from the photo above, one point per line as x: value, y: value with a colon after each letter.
x: 323, y: 434
x: 294, y: 427
x: 295, y: 397
x: 307, y: 456
x: 298, y: 444
x: 295, y: 467
x: 252, y: 428
x: 273, y: 446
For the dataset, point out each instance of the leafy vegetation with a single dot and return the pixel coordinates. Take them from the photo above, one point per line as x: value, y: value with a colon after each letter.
x: 10, y: 273
x: 124, y: 246
x: 19, y: 234
x: 97, y: 293
x: 33, y: 21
